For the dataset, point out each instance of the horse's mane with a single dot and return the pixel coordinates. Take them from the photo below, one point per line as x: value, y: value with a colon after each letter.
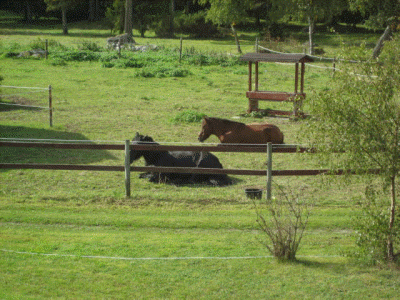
x: 227, y: 122
x: 143, y: 138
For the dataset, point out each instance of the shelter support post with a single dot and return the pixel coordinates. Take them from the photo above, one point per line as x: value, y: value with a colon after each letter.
x: 303, y: 70
x: 256, y: 76
x: 253, y: 103
x: 250, y: 71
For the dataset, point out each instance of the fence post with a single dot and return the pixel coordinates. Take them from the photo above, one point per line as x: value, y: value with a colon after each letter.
x: 269, y: 171
x: 334, y: 66
x: 50, y: 107
x: 127, y: 169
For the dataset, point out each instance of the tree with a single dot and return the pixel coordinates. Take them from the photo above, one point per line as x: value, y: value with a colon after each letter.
x: 115, y: 15
x: 94, y: 10
x: 172, y: 14
x: 313, y: 10
x: 62, y: 5
x: 360, y: 115
x: 224, y: 12
x: 381, y: 13
x: 128, y: 20
x: 29, y: 8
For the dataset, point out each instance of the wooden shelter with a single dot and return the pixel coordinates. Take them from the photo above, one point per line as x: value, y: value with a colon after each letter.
x: 296, y: 97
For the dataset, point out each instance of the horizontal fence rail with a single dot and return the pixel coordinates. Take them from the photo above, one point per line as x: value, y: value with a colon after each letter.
x: 219, y: 148
x: 267, y: 148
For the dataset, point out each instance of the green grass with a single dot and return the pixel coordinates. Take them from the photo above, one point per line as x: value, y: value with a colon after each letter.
x: 50, y: 221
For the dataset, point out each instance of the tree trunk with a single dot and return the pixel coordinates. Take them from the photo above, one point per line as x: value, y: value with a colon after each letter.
x: 128, y: 20
x: 64, y: 20
x: 172, y: 17
x: 310, y: 34
x: 379, y: 45
x: 236, y: 38
x: 91, y: 10
x: 28, y: 12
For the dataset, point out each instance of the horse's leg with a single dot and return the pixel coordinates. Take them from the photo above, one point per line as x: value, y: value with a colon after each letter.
x: 228, y: 138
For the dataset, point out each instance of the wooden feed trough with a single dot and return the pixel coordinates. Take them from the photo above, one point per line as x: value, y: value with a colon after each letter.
x: 296, y: 97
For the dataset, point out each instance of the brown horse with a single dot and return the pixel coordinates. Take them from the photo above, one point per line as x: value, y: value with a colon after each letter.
x: 239, y: 133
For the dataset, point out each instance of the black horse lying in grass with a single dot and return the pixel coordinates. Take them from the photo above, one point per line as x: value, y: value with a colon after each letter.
x: 178, y: 159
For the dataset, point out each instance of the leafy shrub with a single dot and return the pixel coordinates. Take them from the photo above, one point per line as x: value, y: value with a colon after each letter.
x: 211, y: 59
x: 161, y: 27
x: 52, y: 44
x: 179, y: 73
x: 372, y: 229
x: 284, y: 226
x: 77, y: 56
x: 37, y: 44
x: 89, y: 46
x: 199, y: 59
x: 162, y: 71
x: 57, y: 62
x: 109, y: 56
x: 188, y: 116
x: 11, y: 54
x: 108, y: 64
x: 145, y: 73
x: 128, y: 63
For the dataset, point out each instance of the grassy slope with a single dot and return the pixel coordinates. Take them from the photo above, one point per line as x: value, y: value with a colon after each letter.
x: 84, y: 213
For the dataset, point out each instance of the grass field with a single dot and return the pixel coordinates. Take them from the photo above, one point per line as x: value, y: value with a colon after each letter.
x: 73, y: 234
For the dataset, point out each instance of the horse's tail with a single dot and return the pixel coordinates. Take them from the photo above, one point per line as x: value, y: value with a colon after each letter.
x: 282, y: 138
x: 276, y: 135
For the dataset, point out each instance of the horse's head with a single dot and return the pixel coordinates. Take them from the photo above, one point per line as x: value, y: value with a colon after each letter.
x: 206, y: 130
x: 139, y: 140
x: 142, y: 138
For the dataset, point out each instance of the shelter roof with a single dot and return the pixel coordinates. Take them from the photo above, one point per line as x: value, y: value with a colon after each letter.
x: 274, y: 57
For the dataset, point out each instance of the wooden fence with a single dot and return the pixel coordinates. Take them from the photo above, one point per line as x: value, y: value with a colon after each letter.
x: 267, y: 149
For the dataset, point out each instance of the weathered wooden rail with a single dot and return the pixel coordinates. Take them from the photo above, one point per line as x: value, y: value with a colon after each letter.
x: 268, y: 149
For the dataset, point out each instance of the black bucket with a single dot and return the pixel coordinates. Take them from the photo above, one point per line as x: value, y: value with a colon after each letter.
x: 253, y: 193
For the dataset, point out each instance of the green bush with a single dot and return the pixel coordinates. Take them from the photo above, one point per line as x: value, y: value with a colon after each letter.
x: 162, y: 71
x: 109, y: 56
x: 77, y: 56
x: 10, y: 54
x: 188, y: 116
x: 89, y: 46
x: 57, y: 62
x: 372, y: 229
x: 161, y: 27
x: 128, y: 63
x: 200, y: 59
x: 108, y: 64
x: 52, y: 44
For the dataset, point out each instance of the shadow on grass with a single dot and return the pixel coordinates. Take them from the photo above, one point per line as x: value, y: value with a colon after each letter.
x: 11, y: 106
x: 47, y: 155
x: 333, y: 266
